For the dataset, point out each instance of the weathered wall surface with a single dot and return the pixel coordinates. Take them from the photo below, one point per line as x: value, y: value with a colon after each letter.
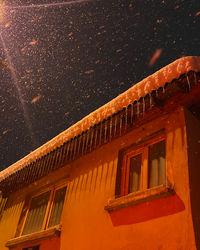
x: 165, y: 223
x: 87, y: 226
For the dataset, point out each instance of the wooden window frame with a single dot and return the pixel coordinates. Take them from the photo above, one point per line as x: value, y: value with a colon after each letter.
x: 52, y: 202
x: 142, y: 149
x: 52, y: 190
x: 122, y: 197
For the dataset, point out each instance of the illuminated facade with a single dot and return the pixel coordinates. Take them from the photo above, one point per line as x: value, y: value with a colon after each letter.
x: 124, y: 177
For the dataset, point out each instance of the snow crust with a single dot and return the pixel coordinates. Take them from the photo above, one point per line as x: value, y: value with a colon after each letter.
x: 141, y: 89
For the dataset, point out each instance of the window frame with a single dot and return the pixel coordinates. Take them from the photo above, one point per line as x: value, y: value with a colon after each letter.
x: 48, y: 211
x: 122, y: 199
x: 142, y: 148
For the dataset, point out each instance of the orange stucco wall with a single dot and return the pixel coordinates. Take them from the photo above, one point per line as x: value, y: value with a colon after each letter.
x: 10, y: 218
x: 162, y: 224
x: 165, y: 223
x: 53, y: 243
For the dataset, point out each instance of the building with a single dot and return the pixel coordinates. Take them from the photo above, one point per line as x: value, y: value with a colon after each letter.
x: 124, y: 177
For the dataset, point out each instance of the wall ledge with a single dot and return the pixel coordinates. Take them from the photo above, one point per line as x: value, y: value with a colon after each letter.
x: 34, y: 237
x: 139, y: 197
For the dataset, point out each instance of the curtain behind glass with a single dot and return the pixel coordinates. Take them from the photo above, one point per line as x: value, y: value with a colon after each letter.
x: 36, y: 213
x: 135, y: 173
x: 57, y: 207
x: 156, y: 168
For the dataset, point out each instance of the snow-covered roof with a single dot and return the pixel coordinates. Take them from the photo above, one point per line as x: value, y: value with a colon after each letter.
x: 141, y: 89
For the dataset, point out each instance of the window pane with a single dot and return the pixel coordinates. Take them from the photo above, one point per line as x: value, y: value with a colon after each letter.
x: 135, y: 173
x: 57, y: 207
x: 156, y: 170
x: 36, y: 213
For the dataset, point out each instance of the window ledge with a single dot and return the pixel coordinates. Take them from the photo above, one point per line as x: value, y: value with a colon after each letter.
x: 34, y: 237
x: 139, y: 197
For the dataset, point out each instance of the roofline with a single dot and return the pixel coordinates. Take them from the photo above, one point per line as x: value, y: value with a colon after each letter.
x: 138, y: 91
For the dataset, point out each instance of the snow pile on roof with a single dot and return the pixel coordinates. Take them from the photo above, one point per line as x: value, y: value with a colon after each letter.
x: 141, y: 89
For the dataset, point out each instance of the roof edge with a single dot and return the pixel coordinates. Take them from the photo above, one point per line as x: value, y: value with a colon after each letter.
x: 168, y: 73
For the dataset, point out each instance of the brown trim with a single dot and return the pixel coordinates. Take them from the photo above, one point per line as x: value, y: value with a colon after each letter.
x: 121, y: 153
x: 119, y: 174
x: 22, y: 217
x: 34, y: 237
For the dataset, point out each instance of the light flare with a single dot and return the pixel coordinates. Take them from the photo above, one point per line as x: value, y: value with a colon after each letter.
x: 9, y: 65
x: 2, y: 6
x: 46, y: 5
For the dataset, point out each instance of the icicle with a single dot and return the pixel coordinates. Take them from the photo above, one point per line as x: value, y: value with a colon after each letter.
x: 56, y: 158
x: 143, y: 106
x: 34, y: 171
x: 138, y: 108
x: 195, y: 78
x: 68, y: 150
x: 64, y: 153
x: 120, y: 124
x: 40, y: 167
x: 72, y: 149
x: 188, y: 81
x: 156, y: 93
x: 48, y: 161
x: 91, y: 138
x: 52, y: 158
x: 150, y: 101
x: 87, y: 140
x: 75, y: 147
x: 115, y: 128
x: 79, y: 144
x: 25, y: 172
x: 95, y: 139
x: 43, y: 167
x: 131, y: 113
x: 105, y: 131
x: 126, y: 117
x: 83, y: 144
x: 33, y: 167
x: 110, y: 136
x: 100, y: 134
x: 61, y: 155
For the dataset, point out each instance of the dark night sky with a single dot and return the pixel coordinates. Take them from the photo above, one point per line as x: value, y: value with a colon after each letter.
x: 59, y: 62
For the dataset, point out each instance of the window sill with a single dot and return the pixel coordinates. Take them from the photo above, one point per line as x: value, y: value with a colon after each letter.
x: 34, y: 237
x: 139, y: 197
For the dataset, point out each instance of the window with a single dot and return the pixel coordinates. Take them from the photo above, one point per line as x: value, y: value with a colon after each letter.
x: 143, y: 166
x: 44, y: 210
